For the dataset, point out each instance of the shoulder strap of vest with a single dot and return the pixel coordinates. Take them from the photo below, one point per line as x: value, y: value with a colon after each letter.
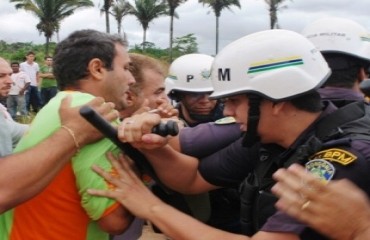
x: 339, y: 102
x: 311, y: 146
x: 329, y: 127
x: 265, y: 166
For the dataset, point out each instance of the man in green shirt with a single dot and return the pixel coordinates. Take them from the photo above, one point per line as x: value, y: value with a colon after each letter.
x: 48, y: 82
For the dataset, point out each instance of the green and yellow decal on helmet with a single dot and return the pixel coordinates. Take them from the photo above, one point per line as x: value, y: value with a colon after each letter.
x: 365, y: 38
x: 275, y: 64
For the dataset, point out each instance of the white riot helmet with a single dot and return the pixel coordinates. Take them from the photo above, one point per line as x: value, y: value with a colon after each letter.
x: 275, y: 64
x: 339, y: 35
x: 190, y: 73
x: 272, y: 64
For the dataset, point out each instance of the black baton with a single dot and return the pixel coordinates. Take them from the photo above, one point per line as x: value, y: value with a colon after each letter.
x: 111, y: 133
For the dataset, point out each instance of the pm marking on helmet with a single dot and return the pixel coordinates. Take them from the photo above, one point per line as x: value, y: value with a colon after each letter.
x: 224, y: 74
x: 336, y: 155
x: 204, y: 75
x: 320, y: 168
x: 271, y: 64
x: 189, y: 78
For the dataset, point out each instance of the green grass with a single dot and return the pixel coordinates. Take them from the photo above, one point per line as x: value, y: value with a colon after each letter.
x: 26, y: 119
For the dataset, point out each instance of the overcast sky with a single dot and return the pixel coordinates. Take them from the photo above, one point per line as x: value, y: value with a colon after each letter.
x: 20, y: 26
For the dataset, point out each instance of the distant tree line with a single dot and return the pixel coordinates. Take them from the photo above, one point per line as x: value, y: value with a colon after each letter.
x: 52, y: 12
x: 17, y: 51
x: 182, y: 45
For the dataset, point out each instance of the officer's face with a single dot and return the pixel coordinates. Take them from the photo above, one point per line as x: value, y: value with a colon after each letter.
x: 238, y: 106
x: 198, y: 103
x: 268, y: 125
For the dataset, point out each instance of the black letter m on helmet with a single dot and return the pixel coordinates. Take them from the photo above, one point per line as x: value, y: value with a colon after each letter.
x: 224, y: 74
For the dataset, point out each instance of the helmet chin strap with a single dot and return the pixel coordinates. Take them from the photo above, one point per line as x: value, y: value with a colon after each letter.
x: 251, y: 135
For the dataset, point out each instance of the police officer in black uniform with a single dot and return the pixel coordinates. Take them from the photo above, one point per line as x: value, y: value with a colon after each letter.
x: 189, y: 85
x: 273, y: 76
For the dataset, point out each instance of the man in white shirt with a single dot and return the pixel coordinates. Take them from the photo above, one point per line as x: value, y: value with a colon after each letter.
x: 16, y: 100
x: 32, y: 69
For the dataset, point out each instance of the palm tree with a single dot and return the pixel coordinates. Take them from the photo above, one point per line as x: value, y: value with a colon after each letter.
x: 173, y: 4
x: 51, y: 13
x: 146, y: 11
x: 274, y: 7
x: 120, y: 9
x: 218, y: 6
x: 105, y: 9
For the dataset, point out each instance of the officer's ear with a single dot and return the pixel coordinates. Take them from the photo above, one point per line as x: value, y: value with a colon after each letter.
x: 278, y: 107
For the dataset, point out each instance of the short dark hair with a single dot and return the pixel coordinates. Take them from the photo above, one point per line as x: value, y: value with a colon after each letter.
x: 344, y: 68
x: 74, y: 53
x: 14, y: 63
x: 309, y: 102
x: 30, y: 53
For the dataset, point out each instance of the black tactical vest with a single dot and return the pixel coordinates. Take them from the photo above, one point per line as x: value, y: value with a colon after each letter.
x: 337, y: 129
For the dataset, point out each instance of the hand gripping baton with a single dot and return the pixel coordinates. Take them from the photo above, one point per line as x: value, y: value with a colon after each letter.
x: 163, y: 129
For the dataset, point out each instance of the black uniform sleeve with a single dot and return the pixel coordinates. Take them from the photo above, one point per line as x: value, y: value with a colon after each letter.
x: 207, y: 138
x: 357, y: 171
x: 227, y: 167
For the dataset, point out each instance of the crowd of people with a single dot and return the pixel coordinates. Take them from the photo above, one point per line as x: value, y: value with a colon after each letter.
x: 32, y: 88
x: 273, y: 139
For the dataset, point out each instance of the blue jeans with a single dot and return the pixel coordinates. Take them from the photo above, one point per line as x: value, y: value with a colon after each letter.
x: 16, y: 103
x: 33, y: 99
x: 47, y: 94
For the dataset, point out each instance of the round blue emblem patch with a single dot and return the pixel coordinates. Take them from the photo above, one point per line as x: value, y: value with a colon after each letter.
x: 321, y: 168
